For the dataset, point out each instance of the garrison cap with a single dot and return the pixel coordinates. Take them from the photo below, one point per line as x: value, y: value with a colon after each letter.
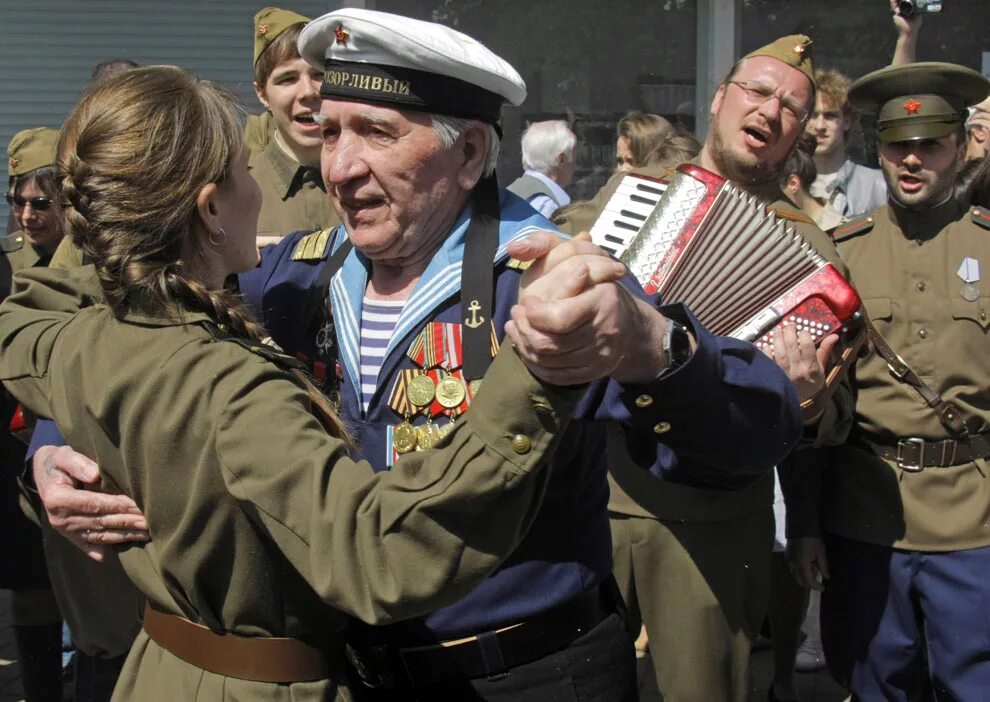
x: 794, y: 50
x: 269, y: 24
x: 31, y: 149
x: 397, y: 61
x: 918, y: 100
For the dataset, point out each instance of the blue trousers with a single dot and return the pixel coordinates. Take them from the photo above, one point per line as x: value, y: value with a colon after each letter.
x: 886, y: 612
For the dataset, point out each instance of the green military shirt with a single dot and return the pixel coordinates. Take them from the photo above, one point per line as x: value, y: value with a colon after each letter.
x: 292, y: 195
x: 258, y: 131
x: 17, y: 254
x: 907, y: 270
x: 261, y: 524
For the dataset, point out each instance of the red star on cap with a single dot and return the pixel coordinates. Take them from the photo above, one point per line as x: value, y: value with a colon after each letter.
x: 262, y: 30
x: 911, y: 106
x: 341, y: 34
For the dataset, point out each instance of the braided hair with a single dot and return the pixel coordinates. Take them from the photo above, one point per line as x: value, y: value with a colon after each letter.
x: 133, y: 156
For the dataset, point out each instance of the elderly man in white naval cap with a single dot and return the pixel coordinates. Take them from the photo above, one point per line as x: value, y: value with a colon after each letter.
x: 400, y: 311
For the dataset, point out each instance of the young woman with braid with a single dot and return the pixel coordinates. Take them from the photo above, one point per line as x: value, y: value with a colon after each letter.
x: 265, y: 535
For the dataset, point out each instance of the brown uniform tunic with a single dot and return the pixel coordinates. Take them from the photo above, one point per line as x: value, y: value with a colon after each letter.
x: 260, y: 523
x: 292, y: 195
x: 694, y: 563
x: 905, y: 268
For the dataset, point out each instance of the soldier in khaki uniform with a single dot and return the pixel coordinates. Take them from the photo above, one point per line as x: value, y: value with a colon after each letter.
x: 265, y: 532
x: 904, y: 506
x: 693, y: 559
x: 36, y: 618
x: 286, y: 141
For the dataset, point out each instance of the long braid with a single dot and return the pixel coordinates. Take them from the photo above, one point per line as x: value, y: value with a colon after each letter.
x: 133, y: 157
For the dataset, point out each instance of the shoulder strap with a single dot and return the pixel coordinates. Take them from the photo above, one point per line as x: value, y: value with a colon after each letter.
x: 269, y: 353
x: 12, y: 243
x: 853, y: 228
x: 981, y: 216
x: 948, y: 414
x: 313, y: 247
x: 792, y: 215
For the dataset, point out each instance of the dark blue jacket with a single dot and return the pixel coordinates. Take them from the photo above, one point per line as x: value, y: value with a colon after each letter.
x: 732, y: 415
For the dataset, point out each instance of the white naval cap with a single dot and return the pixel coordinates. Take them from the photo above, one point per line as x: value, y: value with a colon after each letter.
x: 389, y: 59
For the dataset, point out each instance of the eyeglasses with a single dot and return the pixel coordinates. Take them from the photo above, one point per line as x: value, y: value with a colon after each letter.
x: 37, y: 203
x: 762, y: 93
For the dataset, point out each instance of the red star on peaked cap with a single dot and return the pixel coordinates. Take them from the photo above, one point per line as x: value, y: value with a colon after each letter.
x: 341, y: 34
x: 912, y: 106
x: 387, y: 39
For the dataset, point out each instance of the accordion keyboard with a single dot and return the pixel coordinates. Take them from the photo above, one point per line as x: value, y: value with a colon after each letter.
x: 625, y: 212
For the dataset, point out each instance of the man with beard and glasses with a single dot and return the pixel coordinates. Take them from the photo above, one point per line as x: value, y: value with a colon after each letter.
x: 692, y: 557
x: 904, y: 504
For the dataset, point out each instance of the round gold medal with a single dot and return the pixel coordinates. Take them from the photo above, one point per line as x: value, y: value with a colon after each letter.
x: 421, y: 390
x: 404, y: 437
x: 426, y: 436
x: 450, y: 392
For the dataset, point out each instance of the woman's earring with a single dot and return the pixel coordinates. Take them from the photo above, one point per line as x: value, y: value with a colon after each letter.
x: 222, y: 237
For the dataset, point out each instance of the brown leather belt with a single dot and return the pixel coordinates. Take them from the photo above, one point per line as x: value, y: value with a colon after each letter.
x: 262, y: 659
x: 490, y: 654
x: 914, y: 454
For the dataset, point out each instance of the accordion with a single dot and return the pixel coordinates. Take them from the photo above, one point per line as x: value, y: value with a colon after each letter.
x: 742, y: 270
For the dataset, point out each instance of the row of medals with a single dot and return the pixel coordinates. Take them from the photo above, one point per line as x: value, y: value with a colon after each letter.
x: 449, y: 393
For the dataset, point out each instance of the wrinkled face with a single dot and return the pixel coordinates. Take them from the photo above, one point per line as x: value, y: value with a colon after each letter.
x: 978, y: 135
x: 752, y: 136
x: 828, y: 126
x: 39, y: 225
x: 920, y: 174
x: 624, y: 160
x: 238, y: 201
x: 392, y: 182
x: 292, y: 94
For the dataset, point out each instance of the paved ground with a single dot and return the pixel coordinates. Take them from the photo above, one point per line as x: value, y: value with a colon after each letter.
x: 812, y: 688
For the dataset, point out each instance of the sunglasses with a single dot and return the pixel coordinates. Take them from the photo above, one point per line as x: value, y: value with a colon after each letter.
x: 37, y: 203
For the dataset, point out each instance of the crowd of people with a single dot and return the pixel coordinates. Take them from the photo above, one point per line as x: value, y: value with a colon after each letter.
x: 310, y: 408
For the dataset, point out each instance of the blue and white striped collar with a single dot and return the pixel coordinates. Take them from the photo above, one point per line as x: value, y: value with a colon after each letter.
x: 440, y: 280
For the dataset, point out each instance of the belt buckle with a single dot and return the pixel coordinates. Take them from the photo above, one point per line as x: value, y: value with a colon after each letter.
x: 371, y: 665
x: 904, y: 464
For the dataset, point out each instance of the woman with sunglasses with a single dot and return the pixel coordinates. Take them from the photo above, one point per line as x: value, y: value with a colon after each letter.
x: 36, y: 618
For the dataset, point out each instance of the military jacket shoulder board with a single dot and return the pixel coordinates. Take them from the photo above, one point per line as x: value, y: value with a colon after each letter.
x: 853, y: 228
x: 9, y: 244
x: 313, y: 247
x: 791, y: 215
x: 981, y: 215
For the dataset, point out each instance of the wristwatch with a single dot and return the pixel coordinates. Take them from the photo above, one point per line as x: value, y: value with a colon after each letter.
x: 676, y: 346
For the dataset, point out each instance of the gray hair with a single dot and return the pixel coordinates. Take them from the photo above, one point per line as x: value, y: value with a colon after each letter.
x: 449, y: 129
x: 544, y: 142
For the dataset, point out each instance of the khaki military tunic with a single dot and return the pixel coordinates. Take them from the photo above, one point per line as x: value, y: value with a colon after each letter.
x: 906, y: 270
x: 258, y: 131
x: 693, y: 563
x: 261, y: 524
x: 292, y: 195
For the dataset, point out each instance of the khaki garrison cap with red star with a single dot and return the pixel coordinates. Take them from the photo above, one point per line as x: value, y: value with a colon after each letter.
x: 269, y: 24
x: 31, y: 149
x: 918, y: 100
x: 794, y: 50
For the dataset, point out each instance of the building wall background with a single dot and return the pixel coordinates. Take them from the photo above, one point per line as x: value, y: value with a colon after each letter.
x: 587, y: 61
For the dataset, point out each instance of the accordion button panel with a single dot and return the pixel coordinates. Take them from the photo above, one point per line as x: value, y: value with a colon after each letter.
x: 661, y: 428
x: 644, y: 401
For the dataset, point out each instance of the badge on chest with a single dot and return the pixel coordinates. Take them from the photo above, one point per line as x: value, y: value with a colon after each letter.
x: 435, y: 390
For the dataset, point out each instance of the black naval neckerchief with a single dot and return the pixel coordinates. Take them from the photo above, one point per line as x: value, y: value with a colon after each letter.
x: 477, y: 291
